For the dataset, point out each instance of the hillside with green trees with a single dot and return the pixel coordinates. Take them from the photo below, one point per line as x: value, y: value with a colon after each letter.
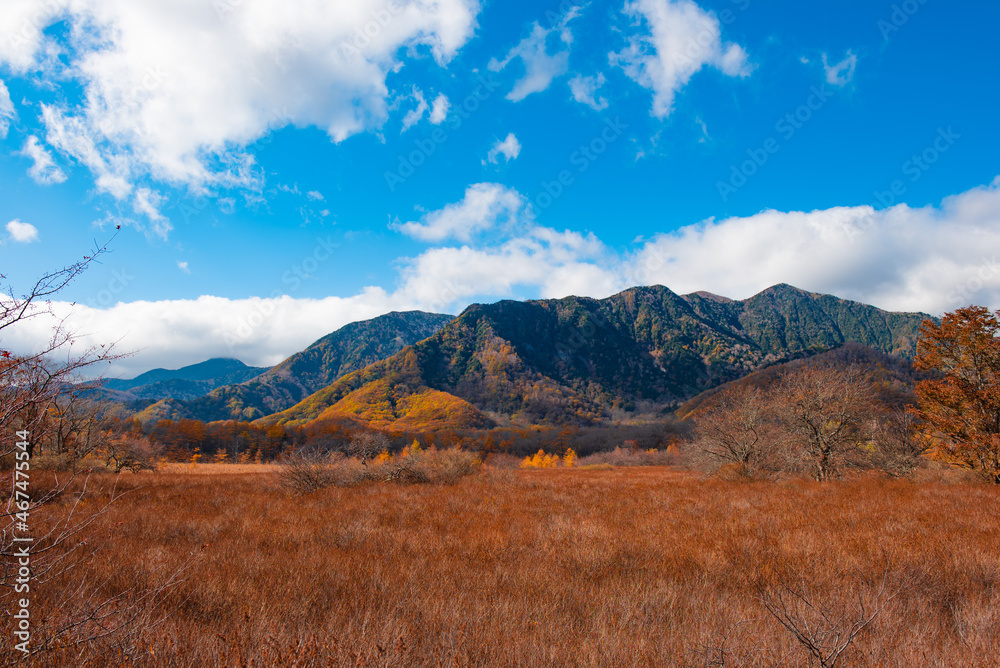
x: 582, y: 361
x: 348, y: 349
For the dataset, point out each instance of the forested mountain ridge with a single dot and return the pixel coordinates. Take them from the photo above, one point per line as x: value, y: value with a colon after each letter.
x: 588, y: 361
x: 188, y: 382
x: 353, y: 346
x: 894, y: 378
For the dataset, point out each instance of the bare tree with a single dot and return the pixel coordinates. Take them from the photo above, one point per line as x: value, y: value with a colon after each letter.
x: 31, y: 386
x: 30, y: 383
x: 827, y: 624
x: 737, y: 429
x: 900, y: 446
x: 132, y: 453
x: 367, y: 445
x: 308, y: 471
x: 828, y: 417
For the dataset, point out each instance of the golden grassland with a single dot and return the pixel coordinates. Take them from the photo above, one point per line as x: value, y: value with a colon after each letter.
x: 554, y: 567
x: 208, y: 469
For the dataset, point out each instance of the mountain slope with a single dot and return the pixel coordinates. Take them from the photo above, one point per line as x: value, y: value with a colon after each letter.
x: 587, y: 361
x: 185, y: 383
x: 351, y: 347
x: 894, y: 377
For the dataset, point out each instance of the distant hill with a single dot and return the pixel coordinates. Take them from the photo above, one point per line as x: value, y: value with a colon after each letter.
x: 351, y: 347
x: 187, y: 382
x: 580, y: 361
x: 895, y: 377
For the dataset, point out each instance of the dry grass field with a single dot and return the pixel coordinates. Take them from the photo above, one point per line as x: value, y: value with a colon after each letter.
x: 613, y: 567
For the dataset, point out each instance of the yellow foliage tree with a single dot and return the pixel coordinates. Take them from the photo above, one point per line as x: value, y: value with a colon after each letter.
x: 569, y: 459
x: 540, y: 460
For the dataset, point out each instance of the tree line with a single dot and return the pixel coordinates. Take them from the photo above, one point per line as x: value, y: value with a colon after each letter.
x: 822, y: 421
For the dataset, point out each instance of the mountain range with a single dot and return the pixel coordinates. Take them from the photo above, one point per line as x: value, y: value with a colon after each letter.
x: 351, y: 347
x: 187, y: 382
x: 580, y: 361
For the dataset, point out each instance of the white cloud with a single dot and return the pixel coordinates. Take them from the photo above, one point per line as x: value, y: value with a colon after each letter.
x: 584, y: 91
x: 174, y: 91
x: 509, y: 148
x: 23, y: 233
x: 842, y: 73
x: 183, y: 266
x: 414, y: 116
x: 7, y: 113
x: 44, y: 171
x: 540, y: 68
x: 485, y: 206
x: 551, y: 263
x: 315, y: 195
x: 69, y: 134
x: 681, y: 39
x: 704, y: 131
x: 929, y: 259
x: 439, y: 110
x: 932, y: 259
x: 174, y: 333
x: 227, y: 205
x: 148, y: 203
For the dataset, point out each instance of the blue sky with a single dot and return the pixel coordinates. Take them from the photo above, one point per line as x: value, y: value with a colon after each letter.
x: 281, y: 168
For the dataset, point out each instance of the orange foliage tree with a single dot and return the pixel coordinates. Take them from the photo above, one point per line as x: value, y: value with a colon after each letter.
x: 961, y: 407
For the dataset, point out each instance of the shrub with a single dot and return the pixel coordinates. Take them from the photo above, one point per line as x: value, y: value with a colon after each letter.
x: 308, y: 471
x: 132, y: 453
x: 428, y: 466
